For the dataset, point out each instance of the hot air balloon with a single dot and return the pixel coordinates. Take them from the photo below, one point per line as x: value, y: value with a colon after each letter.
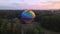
x: 28, y: 16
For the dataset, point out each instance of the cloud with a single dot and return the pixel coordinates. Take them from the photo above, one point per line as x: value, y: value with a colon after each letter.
x: 29, y: 4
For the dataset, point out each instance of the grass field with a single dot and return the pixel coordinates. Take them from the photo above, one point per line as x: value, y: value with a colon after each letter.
x: 14, y: 27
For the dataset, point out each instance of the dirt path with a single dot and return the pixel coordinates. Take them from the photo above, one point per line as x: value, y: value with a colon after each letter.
x: 42, y: 29
x: 48, y: 31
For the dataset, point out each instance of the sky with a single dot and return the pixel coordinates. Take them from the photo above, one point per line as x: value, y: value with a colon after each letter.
x: 29, y: 4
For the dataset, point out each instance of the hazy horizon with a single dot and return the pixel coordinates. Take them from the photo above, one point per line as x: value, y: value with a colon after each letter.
x: 29, y: 4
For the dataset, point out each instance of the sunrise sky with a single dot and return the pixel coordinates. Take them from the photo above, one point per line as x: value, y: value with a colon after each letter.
x: 29, y: 4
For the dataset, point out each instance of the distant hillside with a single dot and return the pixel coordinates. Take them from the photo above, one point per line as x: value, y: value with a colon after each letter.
x: 17, y: 13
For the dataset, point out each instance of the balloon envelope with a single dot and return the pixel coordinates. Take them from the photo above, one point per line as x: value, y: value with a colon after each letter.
x: 29, y: 14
